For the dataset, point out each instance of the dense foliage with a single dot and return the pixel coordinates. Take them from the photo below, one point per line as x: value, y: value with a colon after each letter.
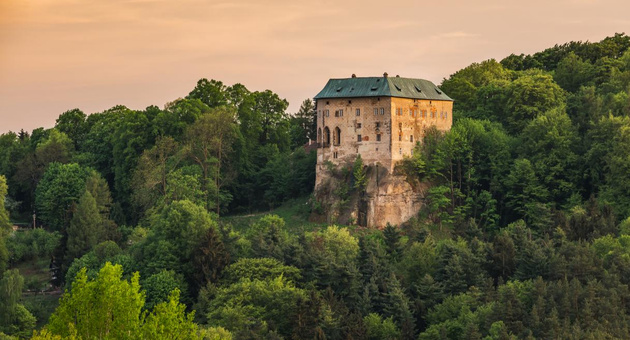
x: 525, y: 233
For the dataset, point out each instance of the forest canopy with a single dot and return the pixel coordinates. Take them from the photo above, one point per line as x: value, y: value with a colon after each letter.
x: 159, y: 217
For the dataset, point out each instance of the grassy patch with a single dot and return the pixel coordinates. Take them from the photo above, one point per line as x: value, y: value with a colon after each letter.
x: 36, y: 279
x: 295, y: 214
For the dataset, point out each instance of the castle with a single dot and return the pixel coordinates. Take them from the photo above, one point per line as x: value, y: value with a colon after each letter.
x: 379, y: 118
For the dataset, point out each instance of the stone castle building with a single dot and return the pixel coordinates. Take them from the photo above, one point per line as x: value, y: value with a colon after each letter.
x: 380, y: 118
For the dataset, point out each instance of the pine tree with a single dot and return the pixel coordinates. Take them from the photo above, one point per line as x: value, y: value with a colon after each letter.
x: 84, y: 231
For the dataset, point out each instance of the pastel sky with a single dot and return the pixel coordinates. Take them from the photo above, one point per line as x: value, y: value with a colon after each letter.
x: 56, y: 55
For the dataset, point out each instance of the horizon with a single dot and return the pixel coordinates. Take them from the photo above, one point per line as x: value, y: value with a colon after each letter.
x: 93, y: 55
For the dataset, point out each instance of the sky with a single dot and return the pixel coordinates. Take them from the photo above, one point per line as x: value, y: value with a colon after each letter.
x: 56, y: 55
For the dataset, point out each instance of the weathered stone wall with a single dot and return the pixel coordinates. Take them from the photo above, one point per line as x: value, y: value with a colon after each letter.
x: 366, y: 124
x: 417, y: 115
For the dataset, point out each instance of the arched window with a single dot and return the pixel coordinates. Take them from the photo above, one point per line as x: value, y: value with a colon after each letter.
x: 337, y: 136
x: 326, y: 137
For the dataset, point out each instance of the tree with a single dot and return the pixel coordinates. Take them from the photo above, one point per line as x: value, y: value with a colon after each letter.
x: 85, y: 229
x: 557, y: 168
x: 530, y: 95
x: 59, y: 189
x: 209, y: 141
x: 524, y: 193
x: 73, y: 124
x: 268, y: 237
x: 5, y: 224
x: 210, y: 92
x: 242, y: 306
x: 304, y: 124
x: 111, y: 307
x: 151, y: 174
x: 169, y: 320
x: 572, y: 72
x: 159, y: 287
x: 15, y: 319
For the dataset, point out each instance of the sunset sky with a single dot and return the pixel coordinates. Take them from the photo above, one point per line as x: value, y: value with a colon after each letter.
x: 56, y: 55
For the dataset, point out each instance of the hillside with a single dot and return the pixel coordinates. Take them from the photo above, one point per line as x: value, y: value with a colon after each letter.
x: 206, y: 205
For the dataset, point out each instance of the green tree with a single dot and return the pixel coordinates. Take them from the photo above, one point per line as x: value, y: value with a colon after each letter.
x: 303, y: 124
x: 529, y: 96
x: 73, y: 124
x: 241, y: 306
x: 15, y: 319
x: 378, y: 329
x: 110, y: 307
x: 158, y: 287
x: 557, y: 168
x: 572, y: 72
x: 58, y: 191
x: 210, y: 92
x: 209, y: 142
x: 5, y: 224
x: 85, y: 229
x: 524, y: 194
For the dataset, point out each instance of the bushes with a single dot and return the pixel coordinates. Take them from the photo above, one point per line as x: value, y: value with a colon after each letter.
x: 32, y: 244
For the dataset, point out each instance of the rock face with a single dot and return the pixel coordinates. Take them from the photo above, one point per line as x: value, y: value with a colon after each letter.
x: 391, y: 199
x: 387, y: 198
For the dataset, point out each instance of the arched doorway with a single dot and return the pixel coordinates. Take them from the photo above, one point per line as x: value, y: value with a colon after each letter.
x: 326, y: 137
x: 337, y: 136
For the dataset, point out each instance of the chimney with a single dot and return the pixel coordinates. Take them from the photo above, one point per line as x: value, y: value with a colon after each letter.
x: 354, y: 75
x: 385, y: 75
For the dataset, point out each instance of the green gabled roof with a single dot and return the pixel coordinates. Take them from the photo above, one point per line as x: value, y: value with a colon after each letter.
x: 382, y: 87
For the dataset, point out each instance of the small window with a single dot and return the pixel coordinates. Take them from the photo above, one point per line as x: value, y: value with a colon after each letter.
x: 335, y: 154
x: 400, y: 137
x: 375, y: 111
x: 397, y: 87
x: 340, y: 113
x: 378, y: 137
x: 378, y: 125
x: 400, y: 151
x: 411, y: 138
x: 358, y: 112
x: 326, y: 113
x: 358, y: 125
x: 359, y: 138
x: 382, y: 111
x: 337, y: 113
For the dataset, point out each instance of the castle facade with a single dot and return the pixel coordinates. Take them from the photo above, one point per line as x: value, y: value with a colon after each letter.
x: 380, y: 118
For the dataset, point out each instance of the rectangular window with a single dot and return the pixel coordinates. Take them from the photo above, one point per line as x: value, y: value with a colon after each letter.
x: 400, y: 151
x: 411, y: 138
x: 378, y: 125
x: 400, y: 137
x: 378, y: 137
x: 359, y: 138
x: 358, y: 125
x: 337, y: 113
x: 375, y: 111
x: 382, y: 111
x: 340, y: 113
x: 358, y: 111
x: 326, y: 113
